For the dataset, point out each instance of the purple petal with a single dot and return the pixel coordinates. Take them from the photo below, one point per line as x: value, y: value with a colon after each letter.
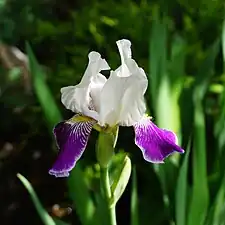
x: 71, y: 138
x: 155, y: 143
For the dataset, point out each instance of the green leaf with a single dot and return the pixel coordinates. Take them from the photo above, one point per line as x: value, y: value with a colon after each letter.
x: 47, y: 220
x: 206, y: 71
x: 217, y: 210
x: 101, y: 213
x: 220, y: 123
x: 200, y: 194
x: 79, y: 193
x: 221, y: 216
x: 181, y: 191
x: 176, y: 81
x: 157, y: 59
x: 121, y: 179
x: 134, y: 200
x: 59, y: 222
x: 160, y: 88
x: 166, y: 79
x: 42, y: 91
x: 223, y: 42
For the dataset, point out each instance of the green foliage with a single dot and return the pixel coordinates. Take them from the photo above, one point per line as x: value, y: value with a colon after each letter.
x: 47, y: 220
x: 42, y: 91
x: 80, y: 195
x: 178, y: 43
x: 120, y: 179
x: 182, y: 189
x: 200, y: 192
x: 134, y: 200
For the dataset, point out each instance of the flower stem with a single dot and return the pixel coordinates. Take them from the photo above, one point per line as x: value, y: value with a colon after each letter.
x: 107, y: 194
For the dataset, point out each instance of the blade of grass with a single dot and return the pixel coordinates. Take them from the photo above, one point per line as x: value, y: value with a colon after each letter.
x: 166, y: 77
x: 59, y: 222
x: 223, y: 43
x: 221, y: 216
x: 134, y: 200
x: 166, y: 80
x: 161, y: 97
x: 217, y: 209
x: 47, y: 220
x: 176, y: 78
x: 100, y: 217
x: 42, y: 91
x: 157, y: 68
x: 80, y: 195
x: 181, y: 191
x: 200, y: 194
x: 157, y: 58
x: 220, y: 124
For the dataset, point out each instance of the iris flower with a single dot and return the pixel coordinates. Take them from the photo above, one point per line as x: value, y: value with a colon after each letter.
x: 116, y: 101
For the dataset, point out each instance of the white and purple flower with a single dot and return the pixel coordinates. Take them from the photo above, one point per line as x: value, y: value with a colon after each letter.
x: 118, y: 101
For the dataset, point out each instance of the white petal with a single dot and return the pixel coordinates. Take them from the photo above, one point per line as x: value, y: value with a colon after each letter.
x: 95, y: 65
x: 124, y: 47
x: 122, y: 98
x: 77, y: 98
x: 95, y: 90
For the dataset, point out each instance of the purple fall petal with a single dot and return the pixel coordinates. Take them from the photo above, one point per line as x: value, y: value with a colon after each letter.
x: 71, y: 139
x: 155, y: 143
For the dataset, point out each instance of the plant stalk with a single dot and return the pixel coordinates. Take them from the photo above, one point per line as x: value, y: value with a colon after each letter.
x: 107, y: 194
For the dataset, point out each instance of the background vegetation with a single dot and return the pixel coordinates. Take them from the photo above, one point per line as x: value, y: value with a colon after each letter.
x: 179, y: 43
